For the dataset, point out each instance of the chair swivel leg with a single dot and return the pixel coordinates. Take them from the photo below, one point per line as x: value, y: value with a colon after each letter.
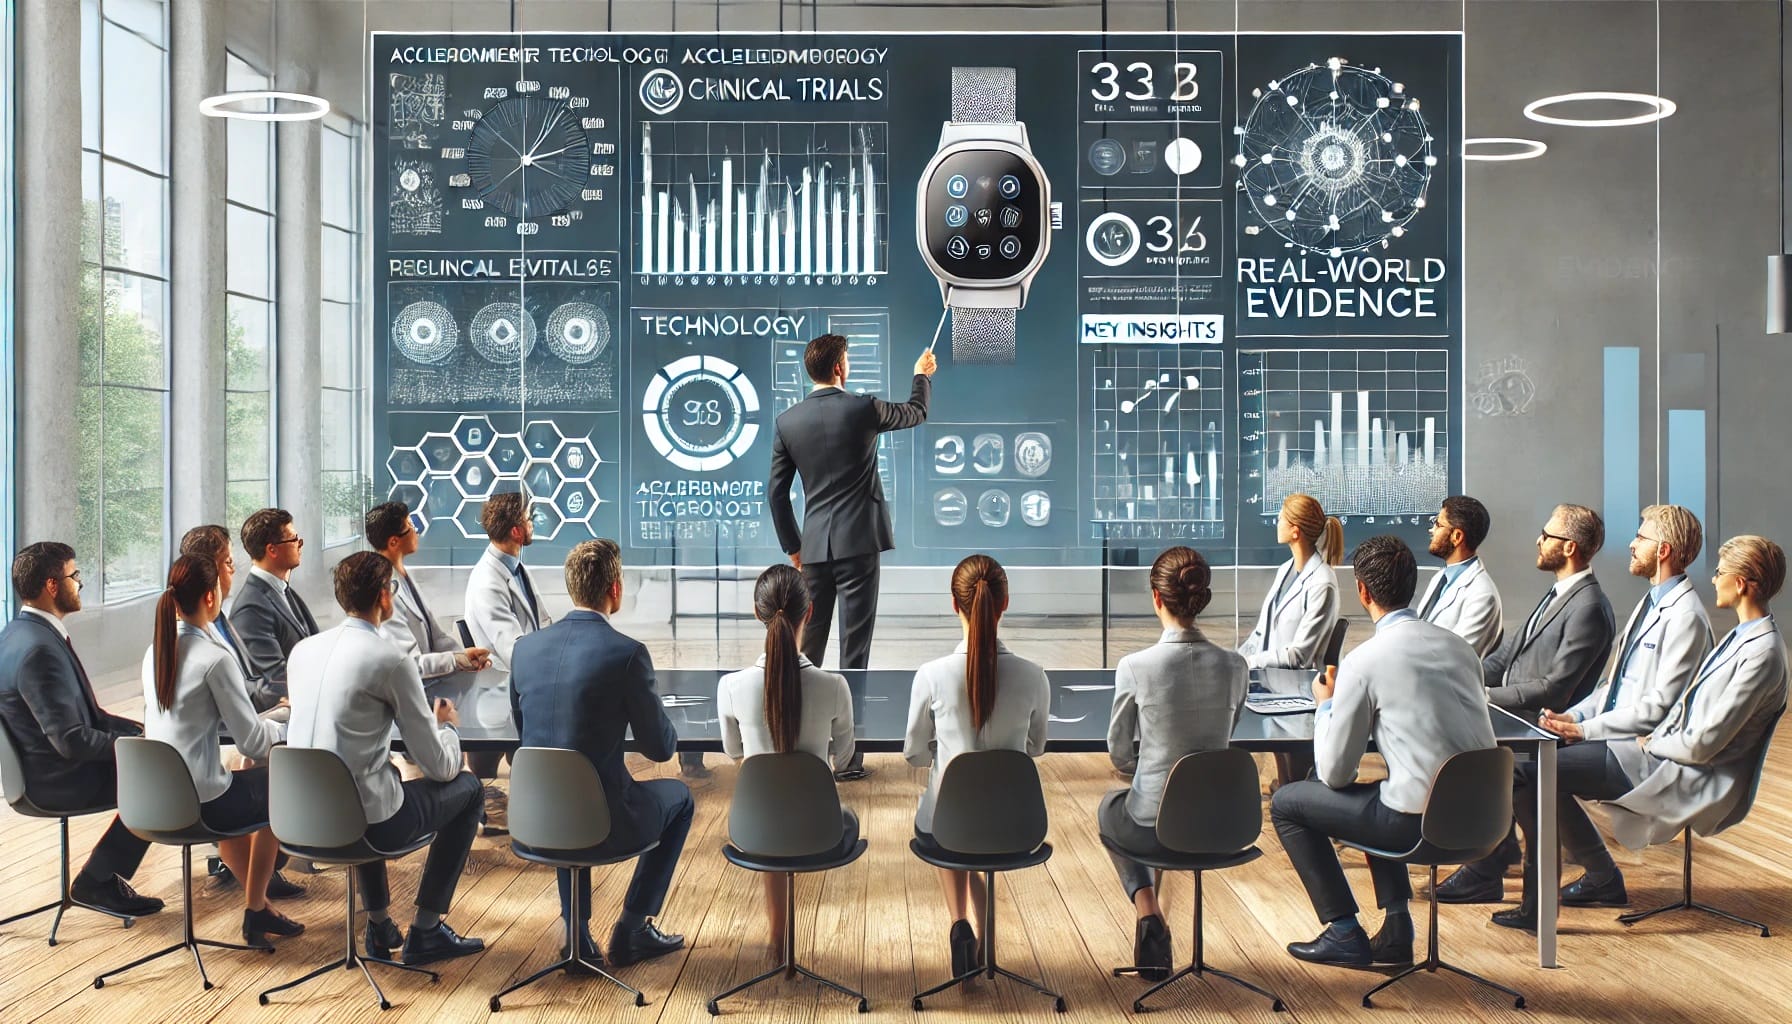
x: 788, y: 967
x: 574, y: 958
x: 1434, y: 963
x: 989, y: 966
x: 188, y: 941
x: 1198, y: 966
x: 62, y: 905
x: 1685, y: 902
x: 351, y: 958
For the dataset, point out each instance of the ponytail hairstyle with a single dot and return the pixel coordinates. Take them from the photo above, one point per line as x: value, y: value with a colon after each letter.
x: 1324, y: 532
x: 980, y: 592
x: 780, y: 600
x: 1183, y: 582
x: 189, y: 580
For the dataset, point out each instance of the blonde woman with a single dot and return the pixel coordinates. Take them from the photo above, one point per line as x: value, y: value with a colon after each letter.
x: 1302, y: 605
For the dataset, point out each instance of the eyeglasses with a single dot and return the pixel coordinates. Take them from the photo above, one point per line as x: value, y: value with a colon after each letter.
x: 1437, y: 522
x: 1640, y: 535
x: 392, y: 585
x: 300, y: 541
x: 1546, y: 535
x: 76, y: 576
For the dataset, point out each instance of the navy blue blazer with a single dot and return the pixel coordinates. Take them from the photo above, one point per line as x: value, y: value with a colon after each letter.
x: 581, y: 685
x: 48, y: 708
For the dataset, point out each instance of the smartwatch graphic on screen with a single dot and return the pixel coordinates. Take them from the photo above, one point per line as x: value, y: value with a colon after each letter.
x: 982, y: 215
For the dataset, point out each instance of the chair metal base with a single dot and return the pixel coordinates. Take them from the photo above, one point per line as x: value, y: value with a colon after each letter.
x: 989, y: 968
x: 188, y: 941
x: 1197, y: 968
x: 571, y: 960
x: 351, y: 959
x: 62, y: 905
x: 789, y: 968
x: 1685, y: 902
x: 1433, y: 963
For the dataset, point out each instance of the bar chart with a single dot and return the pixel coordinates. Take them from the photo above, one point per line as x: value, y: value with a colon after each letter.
x: 1160, y: 444
x: 1364, y: 431
x: 745, y: 198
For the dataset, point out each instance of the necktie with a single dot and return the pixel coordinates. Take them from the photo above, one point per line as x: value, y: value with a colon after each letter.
x: 223, y: 625
x: 300, y: 612
x: 1537, y: 616
x: 1431, y: 602
x: 429, y: 625
x: 1629, y: 648
x: 81, y: 673
x: 522, y: 576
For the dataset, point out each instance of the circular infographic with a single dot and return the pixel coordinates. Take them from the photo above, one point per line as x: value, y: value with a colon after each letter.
x: 425, y: 332
x: 1334, y: 157
x: 529, y: 156
x: 503, y: 333
x: 578, y: 332
x: 1033, y: 454
x: 700, y: 412
x: 1035, y: 508
x: 1182, y: 155
x: 993, y: 507
x: 1107, y: 156
x: 1112, y: 238
x: 950, y: 507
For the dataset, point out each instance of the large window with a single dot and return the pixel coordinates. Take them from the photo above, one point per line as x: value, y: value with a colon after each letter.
x: 249, y: 283
x: 346, y: 478
x: 121, y: 407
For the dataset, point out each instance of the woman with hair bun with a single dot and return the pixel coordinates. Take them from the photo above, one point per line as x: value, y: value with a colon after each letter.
x: 1180, y: 696
x: 784, y: 704
x: 979, y: 697
x: 1302, y: 605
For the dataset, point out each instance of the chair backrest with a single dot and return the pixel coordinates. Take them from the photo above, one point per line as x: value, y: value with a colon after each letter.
x: 155, y: 786
x: 1334, y: 648
x: 785, y: 805
x: 1470, y: 805
x: 312, y: 799
x: 12, y: 770
x: 1754, y: 782
x: 990, y: 803
x: 556, y: 800
x: 1211, y: 803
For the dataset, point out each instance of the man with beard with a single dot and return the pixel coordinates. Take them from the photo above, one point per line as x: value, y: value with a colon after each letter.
x: 502, y: 605
x: 1462, y: 597
x: 63, y: 737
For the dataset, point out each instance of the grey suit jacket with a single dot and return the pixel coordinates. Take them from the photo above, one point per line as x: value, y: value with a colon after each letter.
x: 830, y: 440
x: 415, y: 632
x: 1470, y: 609
x: 1697, y: 767
x: 497, y: 611
x: 1671, y: 642
x: 1292, y: 629
x: 1560, y: 663
x: 269, y: 627
x: 1180, y: 696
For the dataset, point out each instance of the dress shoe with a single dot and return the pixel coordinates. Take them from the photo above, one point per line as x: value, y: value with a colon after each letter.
x: 964, y: 949
x: 852, y: 774
x: 631, y: 946
x: 1392, y: 945
x: 1346, y: 949
x: 1151, y: 948
x: 1584, y: 893
x: 280, y: 888
x: 115, y: 895
x: 382, y: 938
x: 588, y: 952
x: 1521, y: 917
x: 694, y: 770
x: 1465, y: 885
x: 428, y: 945
x: 259, y: 924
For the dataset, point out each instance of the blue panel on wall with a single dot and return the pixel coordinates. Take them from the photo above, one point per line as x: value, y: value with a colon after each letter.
x: 1686, y: 460
x: 1623, y: 437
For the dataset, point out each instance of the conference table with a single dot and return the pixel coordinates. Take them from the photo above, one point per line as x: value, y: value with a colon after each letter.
x: 1080, y: 706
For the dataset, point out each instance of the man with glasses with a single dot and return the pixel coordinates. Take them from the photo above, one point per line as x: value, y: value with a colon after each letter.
x: 392, y: 532
x: 269, y: 616
x: 1462, y: 598
x: 63, y: 737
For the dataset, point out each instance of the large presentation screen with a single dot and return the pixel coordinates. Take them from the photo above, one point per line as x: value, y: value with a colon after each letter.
x: 597, y: 259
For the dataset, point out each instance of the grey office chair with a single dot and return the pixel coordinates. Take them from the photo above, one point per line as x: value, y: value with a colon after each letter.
x: 317, y: 814
x: 1208, y: 819
x: 1467, y: 814
x: 989, y: 817
x: 1686, y: 902
x: 557, y: 813
x: 1334, y: 648
x: 12, y: 784
x: 158, y: 802
x: 785, y: 818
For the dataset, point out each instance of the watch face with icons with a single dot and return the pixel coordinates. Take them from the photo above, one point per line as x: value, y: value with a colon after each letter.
x: 983, y: 213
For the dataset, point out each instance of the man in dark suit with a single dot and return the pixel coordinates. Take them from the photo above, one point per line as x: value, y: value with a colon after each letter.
x: 63, y: 736
x: 269, y: 615
x: 581, y: 684
x: 830, y: 440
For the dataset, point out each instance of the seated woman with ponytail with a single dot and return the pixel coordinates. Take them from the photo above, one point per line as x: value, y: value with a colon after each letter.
x: 1179, y: 697
x: 192, y: 687
x: 1302, y: 605
x: 784, y: 703
x: 980, y: 697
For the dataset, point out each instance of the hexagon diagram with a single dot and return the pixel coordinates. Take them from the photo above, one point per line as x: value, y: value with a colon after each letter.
x: 476, y: 477
x: 576, y: 500
x: 441, y: 452
x: 406, y: 465
x: 473, y: 434
x: 466, y: 517
x: 508, y: 454
x: 547, y: 519
x: 576, y: 459
x: 542, y: 439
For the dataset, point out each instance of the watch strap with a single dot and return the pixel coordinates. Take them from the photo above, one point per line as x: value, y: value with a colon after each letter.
x: 983, y: 95
x: 982, y: 335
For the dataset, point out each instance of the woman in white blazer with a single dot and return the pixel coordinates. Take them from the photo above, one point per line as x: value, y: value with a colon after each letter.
x: 192, y: 687
x: 1302, y: 605
x: 784, y: 704
x: 980, y: 697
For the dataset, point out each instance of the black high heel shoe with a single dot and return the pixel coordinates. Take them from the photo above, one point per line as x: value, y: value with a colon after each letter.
x: 259, y: 924
x: 964, y: 949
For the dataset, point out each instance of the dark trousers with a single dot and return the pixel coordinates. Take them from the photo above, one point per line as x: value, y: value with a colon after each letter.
x: 669, y: 818
x: 1309, y: 815
x: 450, y: 810
x: 1585, y: 770
x: 118, y: 852
x: 853, y: 581
x: 1117, y: 825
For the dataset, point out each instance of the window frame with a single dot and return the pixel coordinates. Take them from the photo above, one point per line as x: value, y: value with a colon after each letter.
x: 270, y: 301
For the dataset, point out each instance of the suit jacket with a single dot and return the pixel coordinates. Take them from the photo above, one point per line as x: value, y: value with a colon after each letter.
x: 939, y: 717
x: 269, y: 627
x: 1292, y: 628
x: 830, y: 439
x: 581, y: 685
x: 1470, y: 609
x: 1179, y: 696
x: 415, y: 632
x: 1560, y: 663
x: 261, y: 692
x: 1698, y: 768
x: 497, y: 610
x: 1670, y: 645
x: 47, y: 706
